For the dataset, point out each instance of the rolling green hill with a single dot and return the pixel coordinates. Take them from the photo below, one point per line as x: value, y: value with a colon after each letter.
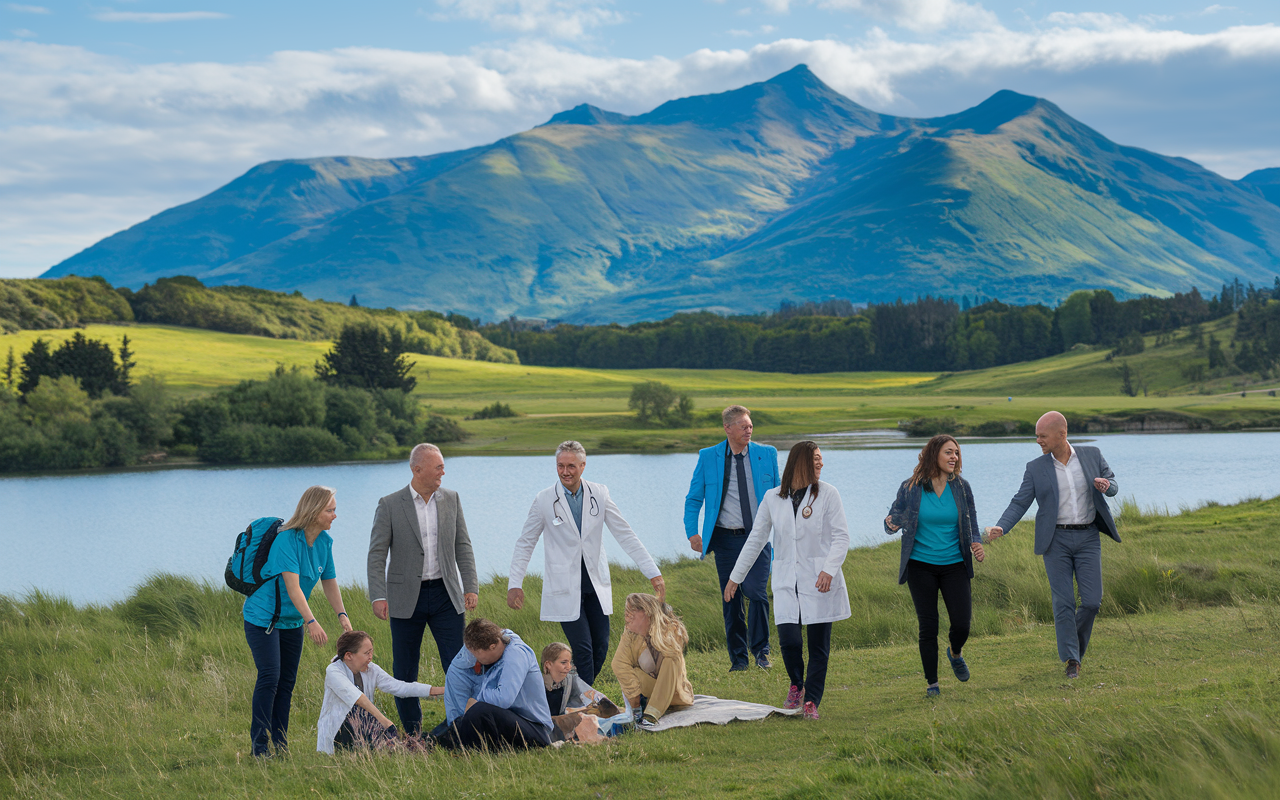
x: 781, y: 190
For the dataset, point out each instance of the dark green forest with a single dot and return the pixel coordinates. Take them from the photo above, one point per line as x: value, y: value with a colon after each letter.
x: 926, y: 335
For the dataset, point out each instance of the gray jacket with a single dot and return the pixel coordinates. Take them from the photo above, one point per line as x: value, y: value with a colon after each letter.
x: 395, y: 532
x: 1040, y: 483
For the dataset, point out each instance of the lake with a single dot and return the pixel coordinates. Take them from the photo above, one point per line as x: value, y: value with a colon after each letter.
x: 92, y: 538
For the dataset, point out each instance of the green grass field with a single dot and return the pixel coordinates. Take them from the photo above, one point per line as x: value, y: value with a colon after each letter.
x: 591, y: 405
x: 1178, y: 698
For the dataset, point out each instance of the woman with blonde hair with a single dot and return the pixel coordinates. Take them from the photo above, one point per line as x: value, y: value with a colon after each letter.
x: 649, y: 662
x: 940, y: 538
x: 300, y: 556
x: 811, y: 540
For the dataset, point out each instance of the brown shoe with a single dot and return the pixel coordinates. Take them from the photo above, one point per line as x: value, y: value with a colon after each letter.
x: 1073, y: 668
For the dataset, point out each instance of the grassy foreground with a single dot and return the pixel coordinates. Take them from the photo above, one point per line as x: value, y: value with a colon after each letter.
x: 149, y: 697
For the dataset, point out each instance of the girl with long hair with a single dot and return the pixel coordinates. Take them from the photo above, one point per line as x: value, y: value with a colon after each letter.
x: 649, y: 662
x: 301, y: 555
x: 811, y: 540
x: 940, y: 538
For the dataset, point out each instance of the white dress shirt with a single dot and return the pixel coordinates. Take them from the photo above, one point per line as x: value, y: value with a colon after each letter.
x: 428, y: 521
x: 1075, y: 505
x: 341, y: 694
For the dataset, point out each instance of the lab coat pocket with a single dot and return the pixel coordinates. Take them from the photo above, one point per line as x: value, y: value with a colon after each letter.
x: 556, y: 582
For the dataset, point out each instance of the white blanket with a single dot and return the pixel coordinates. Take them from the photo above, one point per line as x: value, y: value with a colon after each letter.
x: 715, y: 710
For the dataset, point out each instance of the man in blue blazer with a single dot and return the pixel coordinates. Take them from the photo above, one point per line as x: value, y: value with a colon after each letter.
x: 731, y: 479
x: 1070, y: 486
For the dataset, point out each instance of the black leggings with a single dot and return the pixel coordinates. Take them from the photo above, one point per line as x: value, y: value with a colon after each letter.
x: 925, y: 581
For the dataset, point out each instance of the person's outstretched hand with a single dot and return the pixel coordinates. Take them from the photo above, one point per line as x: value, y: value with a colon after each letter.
x: 659, y: 588
x: 994, y: 532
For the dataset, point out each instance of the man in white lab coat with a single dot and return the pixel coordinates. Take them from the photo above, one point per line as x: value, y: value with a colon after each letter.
x: 576, y: 591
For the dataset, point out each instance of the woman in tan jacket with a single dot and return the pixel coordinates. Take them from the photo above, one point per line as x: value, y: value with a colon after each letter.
x: 649, y: 661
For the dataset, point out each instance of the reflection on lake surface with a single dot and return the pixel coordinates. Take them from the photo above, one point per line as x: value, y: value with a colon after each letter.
x: 92, y: 538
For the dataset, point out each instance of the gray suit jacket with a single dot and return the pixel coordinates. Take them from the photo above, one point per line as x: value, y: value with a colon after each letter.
x: 1040, y: 483
x: 395, y: 531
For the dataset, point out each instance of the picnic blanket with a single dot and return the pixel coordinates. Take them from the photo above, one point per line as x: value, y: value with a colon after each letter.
x: 717, y: 711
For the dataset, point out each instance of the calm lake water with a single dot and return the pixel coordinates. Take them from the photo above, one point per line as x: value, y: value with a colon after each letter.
x: 92, y: 538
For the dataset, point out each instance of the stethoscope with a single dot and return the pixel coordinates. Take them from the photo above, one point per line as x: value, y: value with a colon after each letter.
x: 593, y: 507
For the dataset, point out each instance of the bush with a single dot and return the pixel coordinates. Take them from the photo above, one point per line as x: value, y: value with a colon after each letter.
x: 440, y: 428
x: 496, y: 411
x: 930, y: 426
x: 654, y: 401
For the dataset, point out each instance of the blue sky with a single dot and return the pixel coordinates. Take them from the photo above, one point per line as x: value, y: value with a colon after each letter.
x: 112, y: 112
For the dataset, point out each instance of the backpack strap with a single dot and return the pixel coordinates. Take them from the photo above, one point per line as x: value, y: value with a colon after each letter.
x: 275, y: 617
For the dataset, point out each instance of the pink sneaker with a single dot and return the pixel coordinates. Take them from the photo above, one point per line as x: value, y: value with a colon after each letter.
x: 810, y: 711
x: 794, y: 698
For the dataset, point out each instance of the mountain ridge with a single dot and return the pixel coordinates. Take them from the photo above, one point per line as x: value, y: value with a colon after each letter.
x: 782, y: 189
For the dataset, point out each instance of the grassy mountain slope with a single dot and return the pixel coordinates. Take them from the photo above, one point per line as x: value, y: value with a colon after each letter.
x: 779, y: 190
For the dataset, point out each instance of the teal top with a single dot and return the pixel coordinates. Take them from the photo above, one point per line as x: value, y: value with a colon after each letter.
x: 290, y: 553
x: 938, y: 529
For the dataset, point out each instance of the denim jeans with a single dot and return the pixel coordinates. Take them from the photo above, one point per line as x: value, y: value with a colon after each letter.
x: 755, y: 587
x: 276, y: 655
x: 436, y: 610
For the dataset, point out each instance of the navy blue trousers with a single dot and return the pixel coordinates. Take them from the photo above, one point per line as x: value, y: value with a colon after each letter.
x: 588, y: 635
x: 789, y: 641
x: 434, y: 610
x: 276, y: 655
x: 754, y: 630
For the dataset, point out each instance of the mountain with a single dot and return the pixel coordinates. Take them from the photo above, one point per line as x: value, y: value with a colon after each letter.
x: 781, y: 190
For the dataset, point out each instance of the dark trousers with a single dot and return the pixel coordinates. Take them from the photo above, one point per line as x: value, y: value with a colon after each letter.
x: 789, y: 641
x: 755, y: 587
x: 436, y: 610
x: 588, y: 635
x: 276, y: 656
x: 925, y: 581
x: 1078, y: 555
x: 489, y: 726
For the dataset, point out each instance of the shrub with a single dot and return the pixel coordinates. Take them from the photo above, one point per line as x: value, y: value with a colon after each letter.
x: 498, y: 410
x: 440, y: 428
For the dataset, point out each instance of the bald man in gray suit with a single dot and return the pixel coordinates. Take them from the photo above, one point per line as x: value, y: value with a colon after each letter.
x: 1070, y: 486
x: 422, y: 571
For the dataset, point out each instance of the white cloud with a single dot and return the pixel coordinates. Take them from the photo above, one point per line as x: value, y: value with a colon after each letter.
x: 561, y: 19
x: 21, y: 9
x: 23, y: 33
x: 1215, y: 8
x: 93, y: 143
x: 919, y: 15
x: 157, y: 16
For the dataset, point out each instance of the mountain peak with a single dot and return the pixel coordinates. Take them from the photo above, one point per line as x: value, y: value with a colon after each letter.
x: 1002, y: 107
x: 1269, y: 176
x: 587, y: 114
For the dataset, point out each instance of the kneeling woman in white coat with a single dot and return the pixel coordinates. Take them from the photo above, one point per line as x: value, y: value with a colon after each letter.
x: 811, y: 540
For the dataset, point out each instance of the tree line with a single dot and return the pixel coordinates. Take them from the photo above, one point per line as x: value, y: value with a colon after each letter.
x: 77, y: 406
x: 930, y: 334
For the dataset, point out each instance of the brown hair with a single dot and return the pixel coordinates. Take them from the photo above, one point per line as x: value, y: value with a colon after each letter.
x: 481, y: 634
x: 927, y: 467
x: 314, y: 500
x: 350, y: 642
x: 551, y: 652
x: 800, y: 465
x: 733, y: 413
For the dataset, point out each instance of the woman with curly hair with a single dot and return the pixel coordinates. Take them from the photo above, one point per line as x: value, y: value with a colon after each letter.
x: 940, y: 538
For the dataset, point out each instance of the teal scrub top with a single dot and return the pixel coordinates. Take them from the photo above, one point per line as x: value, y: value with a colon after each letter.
x: 290, y: 553
x: 938, y: 529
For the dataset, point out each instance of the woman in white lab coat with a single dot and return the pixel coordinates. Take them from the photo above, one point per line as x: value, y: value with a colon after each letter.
x: 811, y: 540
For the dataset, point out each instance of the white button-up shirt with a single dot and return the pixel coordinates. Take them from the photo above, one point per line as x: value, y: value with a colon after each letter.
x: 1075, y: 505
x: 428, y: 521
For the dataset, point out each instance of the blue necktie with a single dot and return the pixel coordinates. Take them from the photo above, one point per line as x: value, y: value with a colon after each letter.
x: 743, y: 497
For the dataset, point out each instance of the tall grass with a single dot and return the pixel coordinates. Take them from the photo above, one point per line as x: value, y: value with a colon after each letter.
x: 149, y: 696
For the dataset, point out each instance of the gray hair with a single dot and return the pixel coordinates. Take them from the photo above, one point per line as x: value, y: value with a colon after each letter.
x: 733, y: 413
x: 572, y: 447
x: 419, y: 452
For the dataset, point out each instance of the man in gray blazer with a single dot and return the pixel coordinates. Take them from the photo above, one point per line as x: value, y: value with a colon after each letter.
x: 1068, y: 484
x: 429, y: 578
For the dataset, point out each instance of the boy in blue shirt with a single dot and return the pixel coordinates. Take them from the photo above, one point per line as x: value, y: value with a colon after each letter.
x: 494, y: 695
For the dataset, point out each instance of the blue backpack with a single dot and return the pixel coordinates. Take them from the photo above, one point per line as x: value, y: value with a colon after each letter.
x: 249, y: 559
